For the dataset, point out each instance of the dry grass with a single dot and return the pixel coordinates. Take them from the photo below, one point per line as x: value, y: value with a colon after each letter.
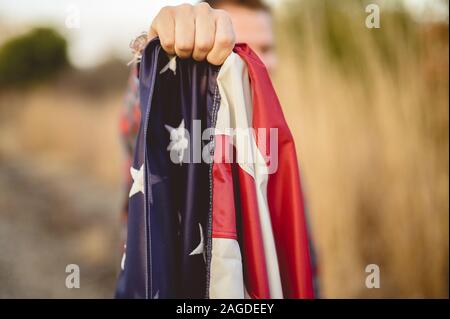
x: 68, y: 130
x: 60, y: 193
x: 372, y: 139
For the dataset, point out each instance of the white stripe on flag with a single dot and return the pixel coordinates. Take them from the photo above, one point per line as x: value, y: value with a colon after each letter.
x: 236, y: 112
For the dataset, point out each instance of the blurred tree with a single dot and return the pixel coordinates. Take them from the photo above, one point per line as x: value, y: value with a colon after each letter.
x: 32, y: 57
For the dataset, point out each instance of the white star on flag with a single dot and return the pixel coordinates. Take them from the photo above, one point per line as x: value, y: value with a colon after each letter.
x: 178, y: 141
x: 200, y: 249
x: 138, y: 180
x: 171, y: 65
x: 124, y: 256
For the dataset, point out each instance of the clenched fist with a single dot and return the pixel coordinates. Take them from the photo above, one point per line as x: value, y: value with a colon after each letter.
x: 195, y: 31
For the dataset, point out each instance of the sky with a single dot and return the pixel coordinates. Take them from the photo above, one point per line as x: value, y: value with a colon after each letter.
x: 95, y: 29
x: 99, y: 29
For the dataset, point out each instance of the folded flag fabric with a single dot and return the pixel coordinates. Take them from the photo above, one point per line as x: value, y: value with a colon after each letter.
x: 215, y: 207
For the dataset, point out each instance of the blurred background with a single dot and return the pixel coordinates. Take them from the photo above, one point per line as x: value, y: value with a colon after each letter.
x: 368, y: 109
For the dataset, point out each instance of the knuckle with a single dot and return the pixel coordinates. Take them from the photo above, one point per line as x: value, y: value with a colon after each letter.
x: 167, y: 44
x: 213, y: 60
x: 198, y: 57
x: 225, y: 41
x: 182, y: 54
x: 203, y: 46
x: 184, y: 46
x: 222, y: 14
x: 203, y: 7
x: 184, y: 8
x: 166, y: 10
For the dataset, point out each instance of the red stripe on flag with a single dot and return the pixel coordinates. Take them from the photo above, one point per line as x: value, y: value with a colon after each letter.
x: 224, y: 211
x: 255, y: 270
x: 284, y: 192
x: 224, y: 215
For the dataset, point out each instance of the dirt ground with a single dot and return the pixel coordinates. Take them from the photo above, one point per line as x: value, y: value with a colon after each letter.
x: 49, y: 221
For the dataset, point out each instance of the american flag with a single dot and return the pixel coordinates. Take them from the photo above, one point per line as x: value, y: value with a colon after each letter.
x: 215, y: 205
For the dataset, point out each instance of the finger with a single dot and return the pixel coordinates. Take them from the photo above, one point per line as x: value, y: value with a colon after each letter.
x: 184, y: 31
x: 205, y: 29
x: 224, y: 39
x: 164, y: 26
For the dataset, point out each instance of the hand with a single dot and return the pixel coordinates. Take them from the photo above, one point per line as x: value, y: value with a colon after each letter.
x: 196, y: 31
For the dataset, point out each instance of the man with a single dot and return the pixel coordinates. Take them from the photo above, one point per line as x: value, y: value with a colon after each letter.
x: 206, y: 31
